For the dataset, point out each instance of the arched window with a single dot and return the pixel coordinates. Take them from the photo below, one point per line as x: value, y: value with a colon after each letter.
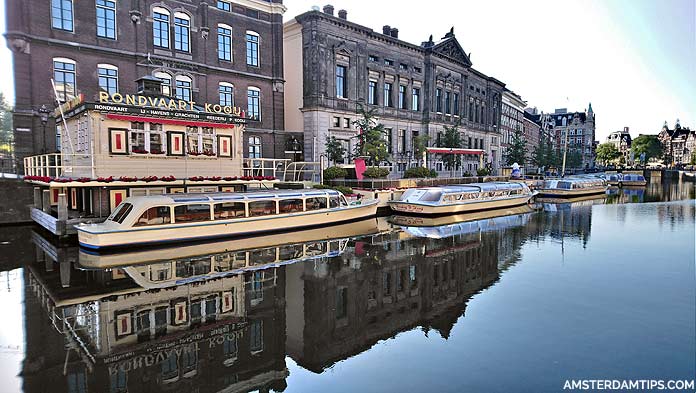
x: 108, y: 77
x: 254, y: 147
x: 182, y: 28
x: 160, y: 27
x: 226, y: 91
x: 224, y: 42
x: 183, y: 87
x: 166, y: 82
x: 254, y: 103
x: 564, y: 121
x: 64, y: 75
x: 252, y: 48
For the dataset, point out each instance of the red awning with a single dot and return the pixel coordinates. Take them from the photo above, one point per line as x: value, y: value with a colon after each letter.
x: 168, y: 121
x: 449, y: 150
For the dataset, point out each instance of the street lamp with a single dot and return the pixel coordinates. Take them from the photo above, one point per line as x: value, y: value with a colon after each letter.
x: 43, y: 113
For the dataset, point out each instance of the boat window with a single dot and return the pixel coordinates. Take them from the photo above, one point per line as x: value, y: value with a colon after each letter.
x: 121, y: 212
x: 431, y: 196
x: 290, y: 206
x: 262, y: 208
x: 344, y: 202
x: 315, y: 203
x: 565, y: 185
x: 262, y: 256
x: 192, y: 213
x: 292, y: 251
x: 334, y: 201
x: 313, y: 249
x: 154, y: 216
x: 227, y: 210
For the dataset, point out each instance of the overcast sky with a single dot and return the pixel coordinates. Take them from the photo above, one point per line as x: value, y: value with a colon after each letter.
x: 635, y: 60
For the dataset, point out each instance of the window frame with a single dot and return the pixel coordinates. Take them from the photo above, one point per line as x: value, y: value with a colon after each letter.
x: 157, y: 26
x: 225, y: 37
x: 341, y: 88
x: 183, y: 79
x: 182, y: 21
x: 106, y: 9
x: 251, y: 98
x: 223, y: 90
x: 107, y: 78
x: 62, y: 11
x: 253, y: 48
x: 73, y: 72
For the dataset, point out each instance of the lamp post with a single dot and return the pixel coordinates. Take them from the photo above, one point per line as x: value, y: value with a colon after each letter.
x: 43, y: 113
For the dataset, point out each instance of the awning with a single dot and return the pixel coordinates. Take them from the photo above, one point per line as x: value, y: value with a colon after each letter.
x: 450, y: 150
x: 161, y: 120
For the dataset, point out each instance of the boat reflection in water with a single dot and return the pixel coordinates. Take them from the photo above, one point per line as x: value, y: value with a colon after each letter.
x: 223, y: 316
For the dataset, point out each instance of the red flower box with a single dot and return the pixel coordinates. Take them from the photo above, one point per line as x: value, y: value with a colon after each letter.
x: 105, y: 179
x: 128, y: 179
x: 167, y: 178
x: 197, y: 178
x: 149, y: 178
x: 84, y: 179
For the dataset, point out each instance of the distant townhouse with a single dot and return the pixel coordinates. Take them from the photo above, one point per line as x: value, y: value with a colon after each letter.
x: 678, y: 144
x: 577, y: 129
x: 622, y: 141
x: 511, y: 119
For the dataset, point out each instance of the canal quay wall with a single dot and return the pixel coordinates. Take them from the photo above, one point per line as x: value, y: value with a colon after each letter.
x: 16, y: 198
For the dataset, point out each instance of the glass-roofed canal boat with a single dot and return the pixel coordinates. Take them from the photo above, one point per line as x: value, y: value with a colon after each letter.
x: 462, y: 198
x: 572, y: 187
x: 158, y: 219
x: 626, y: 179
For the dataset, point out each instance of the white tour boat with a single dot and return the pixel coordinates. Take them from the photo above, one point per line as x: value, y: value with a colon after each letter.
x: 626, y: 179
x: 461, y: 198
x: 158, y: 219
x: 572, y: 187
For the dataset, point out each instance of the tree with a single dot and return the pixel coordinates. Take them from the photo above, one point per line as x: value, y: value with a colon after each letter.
x: 451, y: 139
x: 6, y: 134
x: 693, y: 159
x: 573, y: 159
x: 420, y: 143
x: 607, y: 152
x: 648, y: 144
x: 334, y: 150
x: 517, y: 151
x: 371, y: 135
x: 544, y: 155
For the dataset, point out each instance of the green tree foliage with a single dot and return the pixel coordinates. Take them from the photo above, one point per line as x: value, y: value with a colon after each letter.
x: 376, y: 172
x: 420, y: 143
x: 517, y: 151
x: 452, y: 139
x: 544, y: 155
x: 573, y: 159
x: 335, y: 150
x: 693, y: 159
x: 648, y: 144
x: 419, y: 172
x: 607, y: 152
x: 6, y: 135
x: 371, y: 137
x: 334, y: 172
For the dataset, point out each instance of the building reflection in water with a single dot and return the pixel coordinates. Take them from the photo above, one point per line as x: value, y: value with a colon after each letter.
x: 225, y: 319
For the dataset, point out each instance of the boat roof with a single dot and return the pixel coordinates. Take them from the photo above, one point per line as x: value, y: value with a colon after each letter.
x: 577, y: 179
x: 231, y: 196
x: 476, y: 187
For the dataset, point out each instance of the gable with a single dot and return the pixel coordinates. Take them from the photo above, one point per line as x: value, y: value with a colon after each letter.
x: 451, y: 49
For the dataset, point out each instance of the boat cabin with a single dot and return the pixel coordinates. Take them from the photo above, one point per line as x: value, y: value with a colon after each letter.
x: 575, y: 184
x: 464, y: 192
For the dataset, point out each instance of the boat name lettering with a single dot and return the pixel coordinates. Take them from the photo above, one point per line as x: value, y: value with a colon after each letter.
x: 167, y: 103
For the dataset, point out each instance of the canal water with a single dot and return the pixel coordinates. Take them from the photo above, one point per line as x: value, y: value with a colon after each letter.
x: 520, y: 300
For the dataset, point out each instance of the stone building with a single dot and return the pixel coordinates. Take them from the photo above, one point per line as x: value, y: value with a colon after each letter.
x: 333, y: 66
x: 511, y: 119
x: 678, y: 144
x: 622, y: 141
x: 532, y: 135
x: 580, y: 127
x: 226, y: 52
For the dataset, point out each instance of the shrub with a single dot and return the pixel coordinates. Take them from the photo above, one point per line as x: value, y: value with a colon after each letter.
x: 376, y: 172
x: 419, y: 172
x: 342, y: 189
x: 334, y: 172
x: 483, y: 172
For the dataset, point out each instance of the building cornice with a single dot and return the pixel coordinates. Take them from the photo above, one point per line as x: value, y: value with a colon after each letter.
x: 265, y: 6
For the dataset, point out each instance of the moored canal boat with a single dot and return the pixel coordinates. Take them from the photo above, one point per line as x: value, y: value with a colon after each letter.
x: 626, y: 179
x: 159, y: 219
x: 572, y: 187
x: 462, y: 198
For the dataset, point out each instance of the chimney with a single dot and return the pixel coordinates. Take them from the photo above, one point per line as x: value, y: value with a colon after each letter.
x: 394, y: 32
x: 343, y: 14
x: 625, y: 129
x: 386, y: 30
x: 329, y: 9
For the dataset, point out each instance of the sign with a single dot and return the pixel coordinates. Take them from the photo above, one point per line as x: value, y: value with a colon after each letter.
x: 69, y: 105
x: 141, y: 101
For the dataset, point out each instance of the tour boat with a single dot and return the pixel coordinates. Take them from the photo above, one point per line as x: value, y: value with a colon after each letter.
x: 626, y: 179
x: 572, y: 187
x: 158, y: 219
x: 461, y: 198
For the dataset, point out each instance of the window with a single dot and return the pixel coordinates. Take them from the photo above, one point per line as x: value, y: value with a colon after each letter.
x: 336, y: 121
x: 192, y: 213
x: 414, y: 135
x: 373, y: 58
x: 154, y: 216
x: 224, y: 5
x: 108, y: 78
x: 341, y: 81
x: 403, y: 66
x: 256, y: 336
x: 438, y: 100
x: 388, y: 62
x: 447, y: 102
x: 226, y: 91
x: 121, y: 213
x: 182, y: 23
x: 224, y: 42
x: 346, y: 122
x: 388, y: 95
x: 228, y: 210
x: 183, y: 88
x: 401, y: 141
x: 372, y: 92
x: 471, y: 110
x: 166, y: 82
x: 64, y: 77
x: 156, y: 138
x: 208, y: 140
x: 62, y: 14
x: 417, y: 69
x: 106, y: 19
x: 455, y: 109
x: 254, y: 103
x: 388, y: 139
x: 315, y: 203
x: 252, y: 48
x: 386, y: 284
x: 402, y: 97
x: 262, y: 208
x: 160, y: 27
x: 341, y: 302
x: 290, y: 206
x: 254, y: 147
x: 415, y: 99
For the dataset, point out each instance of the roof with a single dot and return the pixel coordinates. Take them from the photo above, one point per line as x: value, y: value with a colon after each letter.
x: 476, y: 187
x: 230, y: 196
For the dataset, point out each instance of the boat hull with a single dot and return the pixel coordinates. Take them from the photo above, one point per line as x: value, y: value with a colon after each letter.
x: 629, y: 183
x: 251, y: 226
x: 426, y: 209
x: 558, y: 193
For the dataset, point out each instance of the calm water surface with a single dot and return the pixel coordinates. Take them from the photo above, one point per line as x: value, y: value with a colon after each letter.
x: 595, y: 289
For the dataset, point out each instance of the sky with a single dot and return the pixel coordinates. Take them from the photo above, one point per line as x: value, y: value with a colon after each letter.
x: 634, y: 60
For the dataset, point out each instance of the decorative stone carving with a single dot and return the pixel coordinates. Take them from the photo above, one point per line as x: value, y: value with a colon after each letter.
x: 19, y: 45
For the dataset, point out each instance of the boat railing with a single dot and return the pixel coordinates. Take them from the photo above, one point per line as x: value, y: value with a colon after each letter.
x: 58, y: 165
x: 283, y: 168
x: 383, y: 184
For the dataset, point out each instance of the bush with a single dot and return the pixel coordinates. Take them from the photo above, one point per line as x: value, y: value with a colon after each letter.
x: 483, y: 172
x: 342, y: 189
x: 376, y: 172
x: 334, y: 172
x: 419, y: 172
